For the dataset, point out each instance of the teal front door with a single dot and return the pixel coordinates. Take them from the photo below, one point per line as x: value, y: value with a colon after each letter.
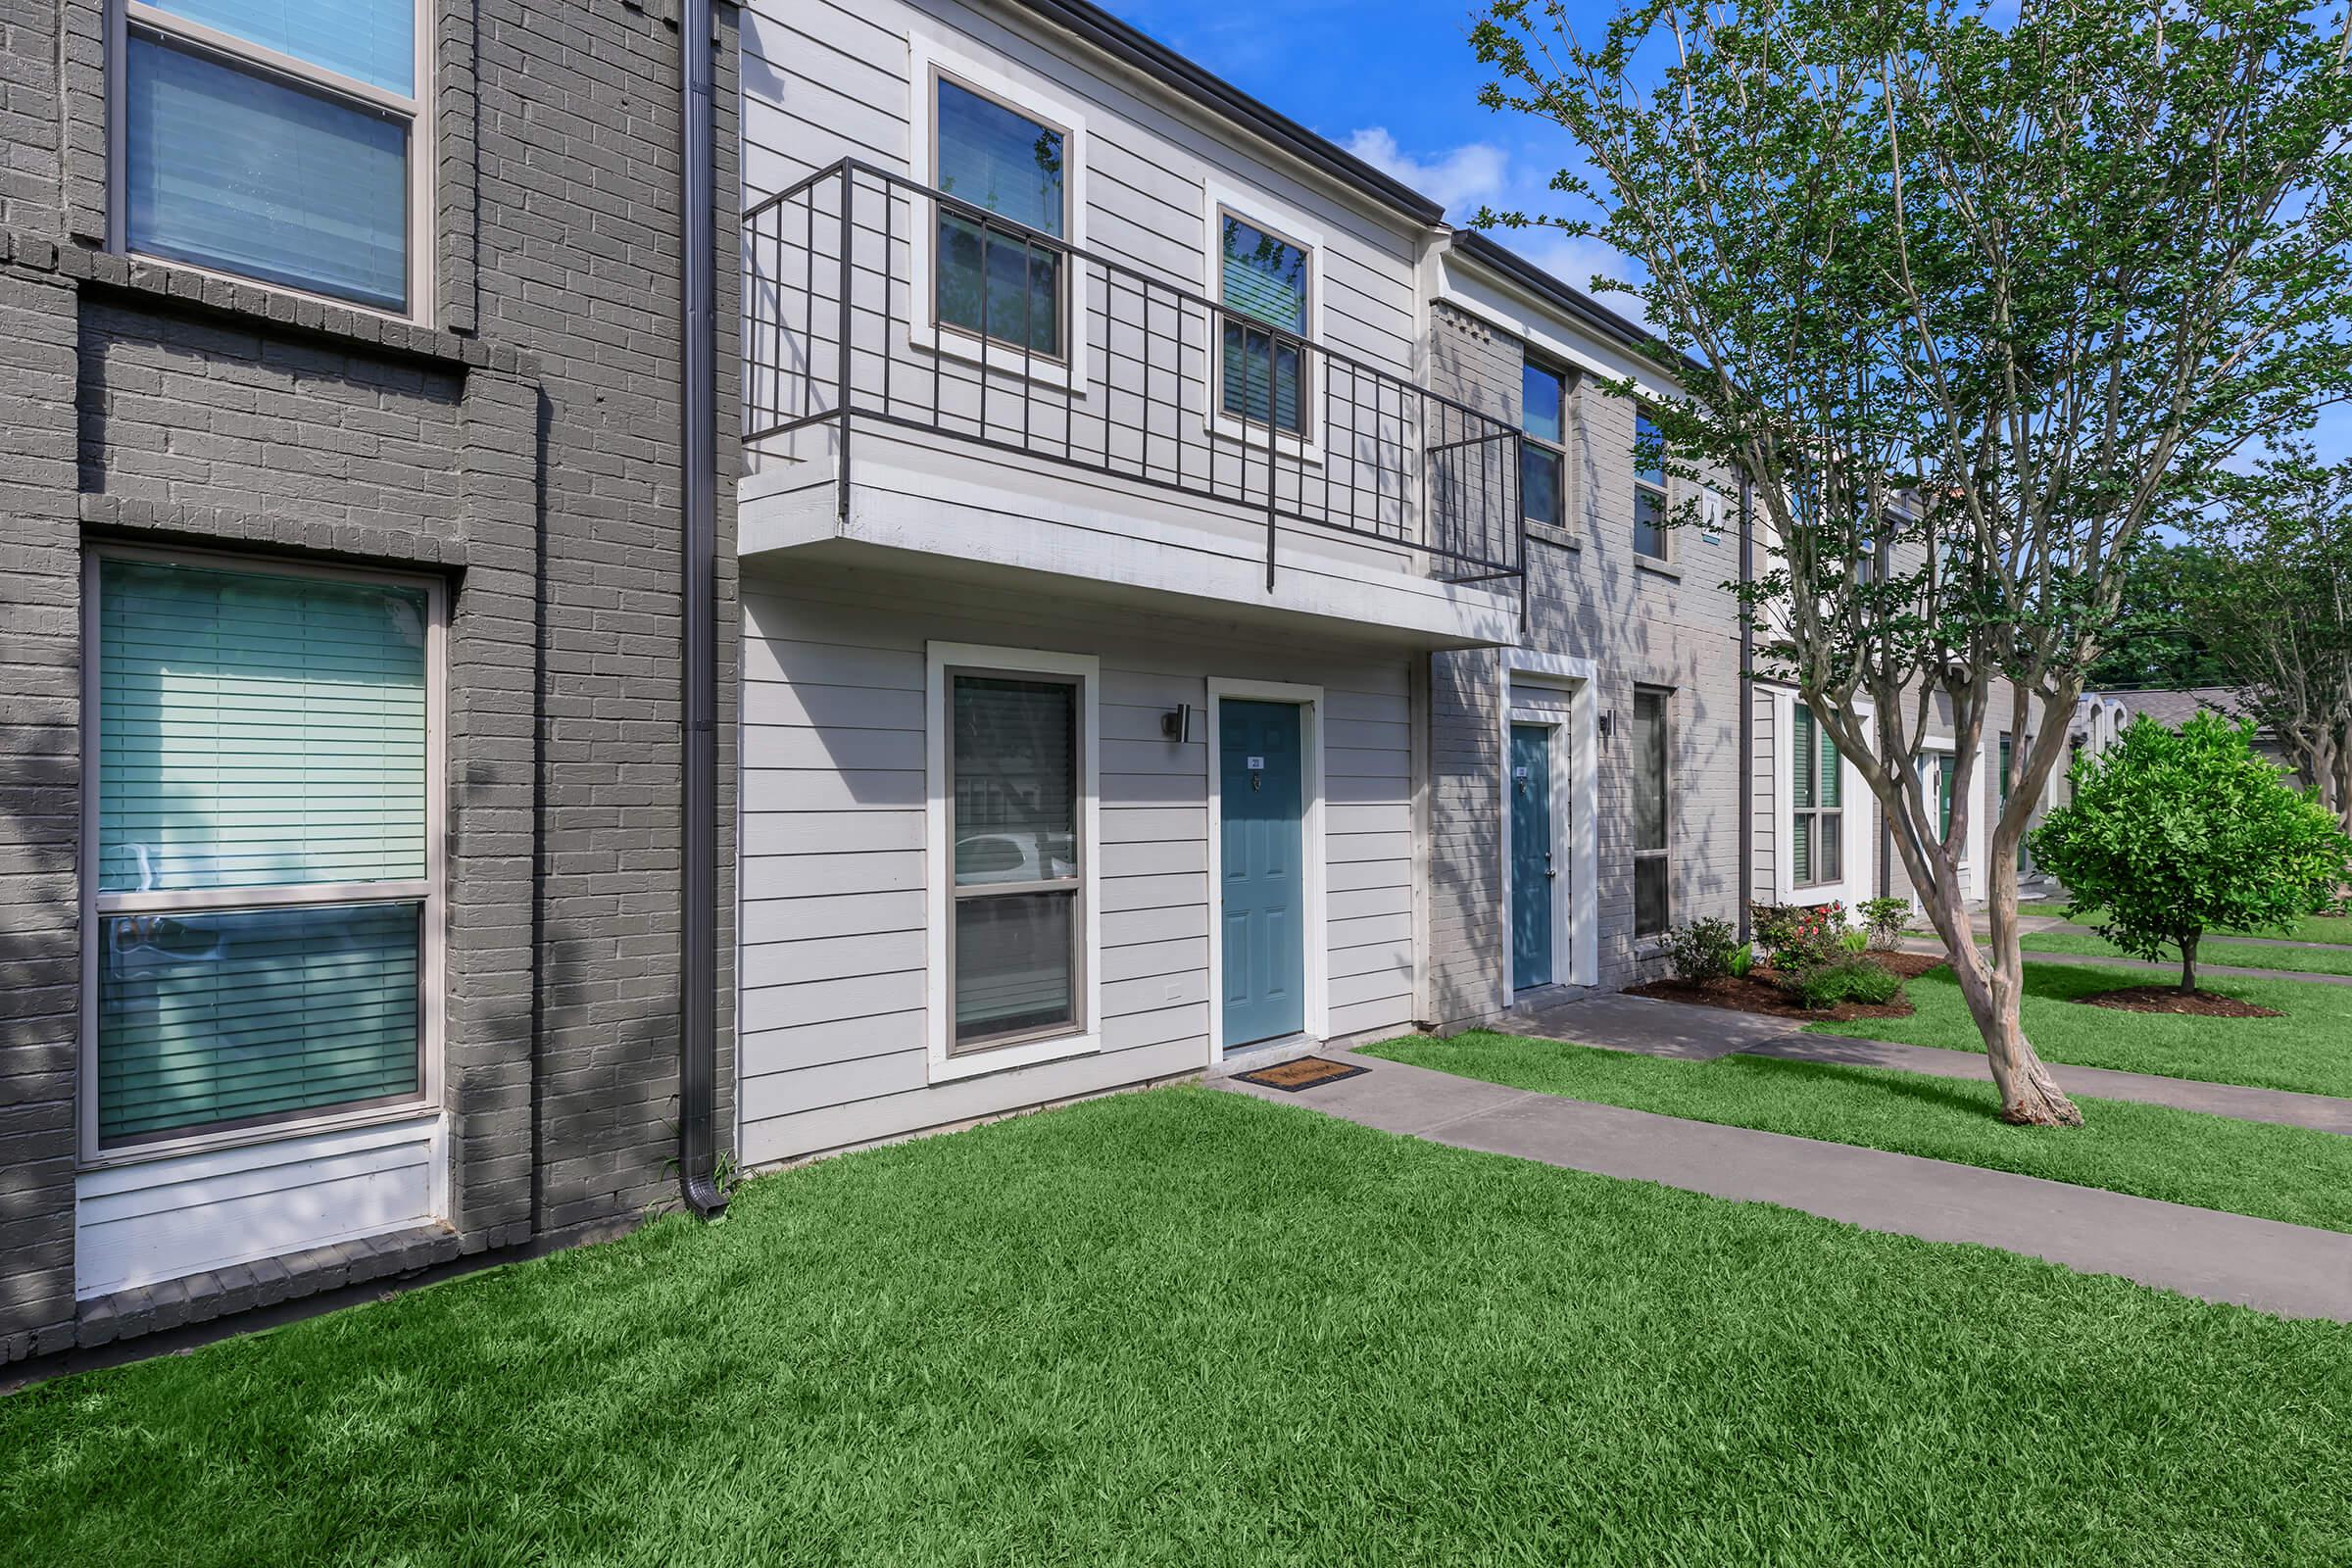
x: 1532, y: 870
x: 1261, y: 893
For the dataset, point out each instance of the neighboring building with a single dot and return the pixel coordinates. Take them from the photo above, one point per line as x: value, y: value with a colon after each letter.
x: 1194, y: 606
x: 1586, y: 778
x: 340, y: 480
x: 2174, y: 708
x: 1096, y: 535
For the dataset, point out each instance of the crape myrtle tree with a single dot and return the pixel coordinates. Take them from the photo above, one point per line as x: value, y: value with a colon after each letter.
x: 2172, y: 833
x: 2270, y: 596
x: 1965, y: 303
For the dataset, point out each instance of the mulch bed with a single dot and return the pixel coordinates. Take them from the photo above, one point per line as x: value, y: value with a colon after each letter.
x: 1758, y: 992
x: 2168, y: 999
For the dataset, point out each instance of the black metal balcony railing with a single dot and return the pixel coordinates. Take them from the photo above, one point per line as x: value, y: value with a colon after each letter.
x: 1065, y: 356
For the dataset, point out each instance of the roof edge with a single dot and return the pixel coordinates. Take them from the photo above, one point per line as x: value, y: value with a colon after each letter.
x: 1156, y: 60
x: 1575, y: 302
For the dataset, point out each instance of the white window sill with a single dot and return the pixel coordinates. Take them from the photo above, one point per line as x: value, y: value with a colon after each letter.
x: 998, y: 358
x: 1292, y: 447
x: 1658, y: 567
x: 1029, y: 1053
x: 255, y: 1137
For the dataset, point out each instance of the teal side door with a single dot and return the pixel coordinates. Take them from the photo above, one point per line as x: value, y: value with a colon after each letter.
x: 1532, y: 869
x: 1261, y: 895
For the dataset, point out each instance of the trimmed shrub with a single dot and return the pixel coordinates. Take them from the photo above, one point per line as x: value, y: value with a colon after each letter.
x: 1884, y: 919
x: 1701, y: 949
x: 1799, y: 936
x: 1851, y: 979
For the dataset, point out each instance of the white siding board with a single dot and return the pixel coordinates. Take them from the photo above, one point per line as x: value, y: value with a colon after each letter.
x: 831, y: 832
x: 813, y: 1045
x: 826, y: 958
x: 791, y: 919
x: 770, y: 702
x: 803, y: 876
x: 851, y: 750
x: 784, y: 788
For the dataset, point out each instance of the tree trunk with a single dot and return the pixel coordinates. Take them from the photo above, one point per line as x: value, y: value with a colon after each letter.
x: 2029, y: 1095
x: 2188, y: 965
x: 1993, y: 988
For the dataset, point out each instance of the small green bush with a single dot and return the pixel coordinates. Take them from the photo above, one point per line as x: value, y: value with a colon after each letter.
x: 1854, y: 941
x: 1884, y: 919
x: 2172, y: 833
x: 1701, y: 949
x: 1743, y: 960
x: 1853, y: 979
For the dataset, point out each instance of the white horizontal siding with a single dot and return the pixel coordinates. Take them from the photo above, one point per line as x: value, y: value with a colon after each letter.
x: 833, y: 1036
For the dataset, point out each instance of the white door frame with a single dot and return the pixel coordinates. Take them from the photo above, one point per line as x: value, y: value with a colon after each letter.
x: 1576, y: 834
x: 1971, y: 851
x: 1314, y: 931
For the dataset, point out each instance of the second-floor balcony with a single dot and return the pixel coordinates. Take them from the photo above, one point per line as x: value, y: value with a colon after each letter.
x: 926, y: 376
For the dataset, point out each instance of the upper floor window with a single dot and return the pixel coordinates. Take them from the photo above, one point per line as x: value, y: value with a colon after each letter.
x: 1542, y: 455
x: 277, y: 142
x: 1649, y: 489
x: 1262, y: 278
x: 994, y: 281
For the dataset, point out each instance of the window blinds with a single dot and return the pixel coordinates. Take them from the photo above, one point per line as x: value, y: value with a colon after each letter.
x: 222, y: 1017
x: 226, y: 168
x: 258, y: 734
x: 258, y: 730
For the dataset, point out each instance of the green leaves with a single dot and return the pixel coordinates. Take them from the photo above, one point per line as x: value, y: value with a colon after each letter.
x: 1996, y: 292
x: 2172, y: 833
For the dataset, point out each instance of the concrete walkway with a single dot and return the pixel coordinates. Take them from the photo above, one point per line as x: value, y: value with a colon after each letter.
x: 1689, y: 1033
x: 2286, y: 1270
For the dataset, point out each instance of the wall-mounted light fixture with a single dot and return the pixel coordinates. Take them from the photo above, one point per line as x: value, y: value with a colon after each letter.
x: 1607, y: 722
x: 1181, y: 722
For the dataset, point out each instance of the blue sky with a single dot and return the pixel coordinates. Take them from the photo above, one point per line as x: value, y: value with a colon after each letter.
x: 1395, y: 82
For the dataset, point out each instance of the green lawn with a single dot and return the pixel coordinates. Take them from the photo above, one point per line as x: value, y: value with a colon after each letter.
x: 2182, y: 1156
x: 2244, y: 954
x: 1182, y: 1327
x: 2335, y: 929
x: 2310, y: 1049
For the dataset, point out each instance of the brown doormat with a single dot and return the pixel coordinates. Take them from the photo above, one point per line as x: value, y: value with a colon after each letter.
x: 1304, y: 1073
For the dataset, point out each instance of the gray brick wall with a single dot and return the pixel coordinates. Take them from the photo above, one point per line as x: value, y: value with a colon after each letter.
x: 526, y: 446
x: 1675, y: 626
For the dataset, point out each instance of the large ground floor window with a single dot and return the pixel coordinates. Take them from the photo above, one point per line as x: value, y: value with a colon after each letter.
x: 263, y: 873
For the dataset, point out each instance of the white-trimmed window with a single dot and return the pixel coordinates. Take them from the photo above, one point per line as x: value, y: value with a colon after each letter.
x: 1014, y: 840
x: 1649, y: 489
x: 1265, y: 283
x: 997, y: 285
x: 1543, y: 444
x: 262, y: 880
x: 1653, y: 813
x: 283, y: 141
x: 1817, y: 802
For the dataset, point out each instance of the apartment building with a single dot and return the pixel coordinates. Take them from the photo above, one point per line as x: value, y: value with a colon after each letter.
x: 1160, y: 599
x: 341, y: 880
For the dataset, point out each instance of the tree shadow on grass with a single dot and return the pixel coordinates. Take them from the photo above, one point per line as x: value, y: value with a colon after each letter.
x: 1950, y: 1094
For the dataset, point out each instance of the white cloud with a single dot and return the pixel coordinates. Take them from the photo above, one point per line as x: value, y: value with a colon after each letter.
x: 1458, y: 180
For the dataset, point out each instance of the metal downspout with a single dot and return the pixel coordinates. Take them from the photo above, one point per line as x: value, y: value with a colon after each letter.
x: 697, y: 959
x: 1748, y: 713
